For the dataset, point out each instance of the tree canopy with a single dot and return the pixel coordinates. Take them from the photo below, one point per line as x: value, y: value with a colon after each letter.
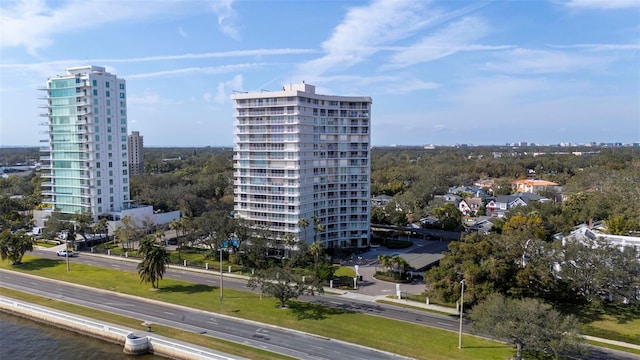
x: 528, y: 324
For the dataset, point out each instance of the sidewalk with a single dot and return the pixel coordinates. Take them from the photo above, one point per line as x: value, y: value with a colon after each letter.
x: 354, y: 294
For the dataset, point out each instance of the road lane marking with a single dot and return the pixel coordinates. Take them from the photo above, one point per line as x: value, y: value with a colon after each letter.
x: 169, y: 313
x: 444, y: 324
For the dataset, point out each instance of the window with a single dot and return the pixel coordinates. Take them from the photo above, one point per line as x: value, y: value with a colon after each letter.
x: 97, y: 147
x: 124, y: 147
x: 95, y: 92
x: 99, y: 181
x: 98, y: 165
x: 124, y: 172
x: 108, y: 111
x: 108, y: 93
x: 108, y: 101
x: 108, y: 129
x: 99, y: 191
x: 98, y: 175
x: 97, y: 128
x: 95, y: 110
x: 108, y: 120
x: 111, y: 182
x: 97, y: 138
x: 111, y: 191
x: 121, y: 95
x: 109, y: 138
x: 110, y: 164
x: 124, y: 163
x: 124, y: 138
x: 106, y: 84
x: 121, y: 86
x: 99, y: 200
x: 95, y: 82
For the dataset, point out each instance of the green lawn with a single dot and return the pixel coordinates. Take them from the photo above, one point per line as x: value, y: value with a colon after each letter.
x: 395, y: 336
x: 613, y: 321
x: 161, y: 330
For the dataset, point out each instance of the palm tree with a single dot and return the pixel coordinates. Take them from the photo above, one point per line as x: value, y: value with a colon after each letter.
x: 318, y: 227
x: 400, y: 264
x: 152, y: 268
x: 179, y: 226
x: 385, y: 261
x: 303, y: 224
x: 316, y: 250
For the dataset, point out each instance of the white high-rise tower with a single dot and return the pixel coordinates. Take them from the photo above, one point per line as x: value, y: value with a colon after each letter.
x: 302, y: 157
x: 85, y: 165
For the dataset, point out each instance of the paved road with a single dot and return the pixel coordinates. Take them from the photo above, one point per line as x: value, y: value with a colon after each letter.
x: 284, y: 341
x: 389, y: 311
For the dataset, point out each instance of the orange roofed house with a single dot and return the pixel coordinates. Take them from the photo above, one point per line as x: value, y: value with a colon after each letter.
x: 532, y: 186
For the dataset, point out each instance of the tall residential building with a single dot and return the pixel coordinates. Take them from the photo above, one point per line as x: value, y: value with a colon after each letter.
x: 85, y: 165
x: 304, y: 156
x: 136, y: 153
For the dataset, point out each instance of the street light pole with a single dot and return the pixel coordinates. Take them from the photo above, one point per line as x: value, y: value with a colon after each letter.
x: 461, y: 311
x: 221, y: 277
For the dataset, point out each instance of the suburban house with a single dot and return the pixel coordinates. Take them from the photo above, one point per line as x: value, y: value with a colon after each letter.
x: 381, y: 200
x: 503, y: 203
x: 470, y: 206
x: 584, y: 232
x: 481, y: 224
x: 449, y: 198
x: 533, y: 186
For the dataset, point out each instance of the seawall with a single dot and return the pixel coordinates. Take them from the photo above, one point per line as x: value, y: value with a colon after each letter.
x: 135, y: 343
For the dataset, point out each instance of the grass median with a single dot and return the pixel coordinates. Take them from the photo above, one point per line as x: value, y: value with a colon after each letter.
x: 385, y: 334
x: 161, y: 330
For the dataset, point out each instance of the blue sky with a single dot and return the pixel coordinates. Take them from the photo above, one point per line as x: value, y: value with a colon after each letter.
x: 439, y: 72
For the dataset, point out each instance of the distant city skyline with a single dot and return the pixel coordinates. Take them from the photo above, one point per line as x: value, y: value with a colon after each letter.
x: 440, y: 72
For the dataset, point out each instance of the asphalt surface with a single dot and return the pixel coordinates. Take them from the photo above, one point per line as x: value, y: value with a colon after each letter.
x: 259, y: 335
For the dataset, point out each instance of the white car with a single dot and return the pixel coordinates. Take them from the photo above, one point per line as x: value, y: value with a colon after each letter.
x: 65, y: 253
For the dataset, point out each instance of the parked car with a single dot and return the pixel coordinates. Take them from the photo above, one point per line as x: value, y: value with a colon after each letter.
x: 65, y: 253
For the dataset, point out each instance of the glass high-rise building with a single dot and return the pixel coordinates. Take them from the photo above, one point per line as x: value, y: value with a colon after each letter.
x: 304, y: 158
x: 85, y: 163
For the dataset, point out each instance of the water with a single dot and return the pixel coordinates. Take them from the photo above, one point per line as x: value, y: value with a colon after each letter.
x: 21, y: 338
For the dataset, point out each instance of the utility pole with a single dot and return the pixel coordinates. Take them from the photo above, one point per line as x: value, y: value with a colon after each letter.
x: 461, y: 311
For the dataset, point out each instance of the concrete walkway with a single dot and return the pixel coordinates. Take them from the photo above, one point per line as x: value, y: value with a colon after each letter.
x: 365, y: 292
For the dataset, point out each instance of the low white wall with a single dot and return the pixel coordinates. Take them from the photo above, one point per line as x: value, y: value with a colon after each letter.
x: 158, y: 346
x: 65, y: 320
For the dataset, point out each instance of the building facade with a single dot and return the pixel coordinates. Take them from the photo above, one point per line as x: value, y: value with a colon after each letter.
x: 303, y: 158
x: 85, y: 164
x: 136, y: 153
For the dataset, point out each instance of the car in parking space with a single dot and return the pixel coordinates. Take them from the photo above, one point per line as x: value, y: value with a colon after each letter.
x: 65, y: 253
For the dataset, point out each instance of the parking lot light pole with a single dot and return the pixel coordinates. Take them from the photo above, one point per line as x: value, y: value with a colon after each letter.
x: 461, y: 311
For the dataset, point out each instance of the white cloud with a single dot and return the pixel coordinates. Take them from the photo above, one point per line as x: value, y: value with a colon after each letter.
x: 223, y: 90
x: 33, y: 24
x: 146, y: 99
x: 203, y: 70
x: 182, y: 32
x: 527, y: 61
x: 455, y: 37
x: 365, y: 28
x: 227, y: 18
x: 369, y: 29
x: 599, y: 47
x: 604, y: 4
x: 59, y: 64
